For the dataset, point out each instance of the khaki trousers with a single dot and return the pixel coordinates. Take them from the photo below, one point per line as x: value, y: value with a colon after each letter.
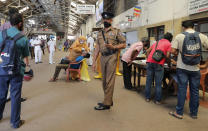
x: 108, y: 65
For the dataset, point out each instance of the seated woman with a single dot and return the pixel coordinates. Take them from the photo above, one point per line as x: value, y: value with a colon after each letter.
x: 78, y: 48
x: 64, y: 64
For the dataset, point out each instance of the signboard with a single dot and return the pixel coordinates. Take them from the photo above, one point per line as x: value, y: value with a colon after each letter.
x: 99, y: 11
x: 85, y: 9
x: 197, y: 6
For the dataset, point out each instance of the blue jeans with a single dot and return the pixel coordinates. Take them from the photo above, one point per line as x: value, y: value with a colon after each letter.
x: 15, y: 83
x: 155, y: 71
x: 193, y: 78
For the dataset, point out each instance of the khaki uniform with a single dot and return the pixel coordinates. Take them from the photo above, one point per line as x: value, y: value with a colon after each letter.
x: 108, y: 62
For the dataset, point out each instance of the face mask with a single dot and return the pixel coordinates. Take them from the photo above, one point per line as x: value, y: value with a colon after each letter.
x: 81, y: 42
x: 106, y: 24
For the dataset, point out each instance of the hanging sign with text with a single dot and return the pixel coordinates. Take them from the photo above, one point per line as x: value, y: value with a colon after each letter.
x: 85, y: 9
x: 197, y: 6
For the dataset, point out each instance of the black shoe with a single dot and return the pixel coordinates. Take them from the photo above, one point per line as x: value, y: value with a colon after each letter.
x: 36, y: 62
x: 103, y: 104
x: 23, y: 99
x: 193, y: 116
x: 8, y: 99
x: 128, y: 88
x: 19, y: 125
x: 40, y: 62
x: 102, y: 107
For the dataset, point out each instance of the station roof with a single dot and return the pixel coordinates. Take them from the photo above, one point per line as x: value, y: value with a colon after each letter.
x: 59, y: 15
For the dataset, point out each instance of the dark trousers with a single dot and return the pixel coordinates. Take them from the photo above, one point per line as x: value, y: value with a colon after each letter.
x: 15, y: 83
x: 32, y: 52
x: 43, y: 50
x: 127, y: 70
x: 193, y: 78
x: 58, y: 69
x: 155, y: 71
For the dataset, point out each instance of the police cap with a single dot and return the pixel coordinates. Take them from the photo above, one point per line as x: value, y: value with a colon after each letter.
x: 107, y: 15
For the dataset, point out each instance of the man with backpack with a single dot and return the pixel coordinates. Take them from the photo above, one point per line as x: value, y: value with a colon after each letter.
x: 13, y: 49
x: 187, y: 46
x: 8, y: 25
x: 157, y: 55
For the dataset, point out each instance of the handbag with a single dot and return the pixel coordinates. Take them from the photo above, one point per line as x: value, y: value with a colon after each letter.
x: 158, y: 55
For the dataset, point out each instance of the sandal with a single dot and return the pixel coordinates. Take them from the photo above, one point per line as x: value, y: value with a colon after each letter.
x: 174, y: 114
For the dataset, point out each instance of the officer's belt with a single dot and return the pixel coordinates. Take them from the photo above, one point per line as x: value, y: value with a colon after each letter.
x: 107, y: 53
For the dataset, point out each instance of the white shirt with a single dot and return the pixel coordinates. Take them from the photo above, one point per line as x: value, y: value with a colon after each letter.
x: 52, y: 44
x: 91, y: 41
x: 36, y: 41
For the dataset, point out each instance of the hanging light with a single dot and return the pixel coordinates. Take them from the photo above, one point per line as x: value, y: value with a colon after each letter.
x: 23, y: 9
x: 3, y: 0
x: 82, y: 1
x: 73, y: 4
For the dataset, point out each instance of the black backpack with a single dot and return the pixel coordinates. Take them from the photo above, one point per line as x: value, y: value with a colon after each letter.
x: 192, y: 49
x: 11, y: 63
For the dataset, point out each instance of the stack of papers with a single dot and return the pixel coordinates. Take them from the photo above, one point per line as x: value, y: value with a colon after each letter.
x: 142, y: 62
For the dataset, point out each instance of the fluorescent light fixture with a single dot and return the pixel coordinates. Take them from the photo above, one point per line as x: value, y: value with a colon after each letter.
x: 82, y: 1
x: 71, y: 37
x: 32, y: 22
x: 23, y: 9
x: 71, y: 20
x: 3, y: 0
x: 72, y: 24
x: 73, y: 10
x: 73, y: 4
x: 72, y: 17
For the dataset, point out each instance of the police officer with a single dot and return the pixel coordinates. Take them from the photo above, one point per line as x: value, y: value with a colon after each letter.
x: 109, y: 41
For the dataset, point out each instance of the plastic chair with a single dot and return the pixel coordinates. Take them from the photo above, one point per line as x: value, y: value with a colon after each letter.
x: 75, y: 70
x: 202, y: 80
x: 202, y: 84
